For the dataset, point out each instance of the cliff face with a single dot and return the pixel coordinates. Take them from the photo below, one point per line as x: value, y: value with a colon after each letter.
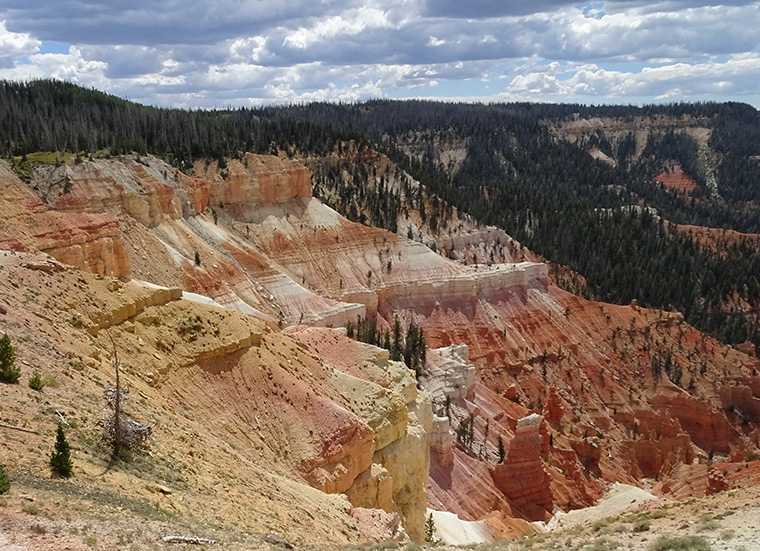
x: 139, y: 217
x: 90, y: 241
x: 590, y: 369
x: 396, y: 463
x: 271, y: 248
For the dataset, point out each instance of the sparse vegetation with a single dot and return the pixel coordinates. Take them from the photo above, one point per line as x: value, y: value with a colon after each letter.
x: 708, y: 525
x: 602, y: 544
x: 190, y: 327
x: 49, y: 380
x: 680, y: 543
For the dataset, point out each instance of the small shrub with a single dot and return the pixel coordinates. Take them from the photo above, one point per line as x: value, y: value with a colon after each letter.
x: 685, y: 543
x: 190, y: 327
x: 8, y: 372
x: 60, y: 459
x: 35, y: 381
x: 5, y: 484
x: 641, y: 525
x: 602, y: 544
x: 708, y: 526
x: 602, y: 526
x: 30, y: 509
x: 49, y: 380
x: 727, y: 534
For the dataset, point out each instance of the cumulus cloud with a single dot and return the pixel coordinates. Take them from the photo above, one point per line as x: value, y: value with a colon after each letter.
x: 738, y: 76
x: 15, y: 45
x: 198, y: 53
x: 71, y: 66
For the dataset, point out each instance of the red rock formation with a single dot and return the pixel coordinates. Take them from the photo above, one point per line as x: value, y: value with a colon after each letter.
x: 553, y: 410
x: 716, y: 482
x: 465, y: 487
x: 253, y: 182
x: 522, y: 476
x: 709, y: 429
x: 91, y: 242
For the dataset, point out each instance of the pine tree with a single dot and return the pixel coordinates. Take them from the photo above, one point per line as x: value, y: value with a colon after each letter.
x: 60, y: 459
x: 5, y: 485
x: 430, y: 529
x: 396, y: 347
x: 8, y: 372
x: 502, y: 451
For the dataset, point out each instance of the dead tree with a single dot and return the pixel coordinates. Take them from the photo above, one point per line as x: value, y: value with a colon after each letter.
x: 119, y: 430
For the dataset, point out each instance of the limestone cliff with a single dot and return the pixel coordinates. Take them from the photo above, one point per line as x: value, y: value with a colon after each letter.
x: 395, y: 467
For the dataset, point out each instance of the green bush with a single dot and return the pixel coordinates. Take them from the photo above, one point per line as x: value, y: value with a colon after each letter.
x: 8, y: 372
x: 5, y: 484
x: 35, y: 381
x: 60, y: 459
x: 676, y: 543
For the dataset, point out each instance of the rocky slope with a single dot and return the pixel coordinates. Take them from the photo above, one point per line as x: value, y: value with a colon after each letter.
x: 244, y: 417
x: 581, y: 394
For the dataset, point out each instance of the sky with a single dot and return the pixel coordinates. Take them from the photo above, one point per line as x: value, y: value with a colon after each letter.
x: 230, y: 53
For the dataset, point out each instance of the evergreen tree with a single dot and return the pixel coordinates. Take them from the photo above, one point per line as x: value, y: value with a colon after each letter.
x: 396, y: 348
x: 430, y: 529
x: 5, y: 484
x: 8, y: 372
x: 60, y: 459
x: 502, y: 451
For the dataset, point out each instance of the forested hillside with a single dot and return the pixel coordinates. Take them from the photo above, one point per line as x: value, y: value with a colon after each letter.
x: 525, y: 168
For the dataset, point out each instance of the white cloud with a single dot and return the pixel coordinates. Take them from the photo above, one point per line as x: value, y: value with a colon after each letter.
x: 350, y: 23
x: 738, y: 76
x: 15, y: 45
x: 71, y: 66
x: 253, y: 48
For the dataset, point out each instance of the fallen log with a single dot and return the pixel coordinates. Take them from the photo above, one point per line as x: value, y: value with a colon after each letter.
x: 188, y: 539
x: 3, y: 425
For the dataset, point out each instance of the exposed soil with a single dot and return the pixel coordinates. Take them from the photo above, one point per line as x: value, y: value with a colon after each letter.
x: 675, y: 180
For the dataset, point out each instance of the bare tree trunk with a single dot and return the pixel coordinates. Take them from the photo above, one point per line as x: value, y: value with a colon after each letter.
x: 117, y: 401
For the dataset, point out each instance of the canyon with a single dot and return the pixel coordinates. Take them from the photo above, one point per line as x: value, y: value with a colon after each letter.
x: 222, y: 291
